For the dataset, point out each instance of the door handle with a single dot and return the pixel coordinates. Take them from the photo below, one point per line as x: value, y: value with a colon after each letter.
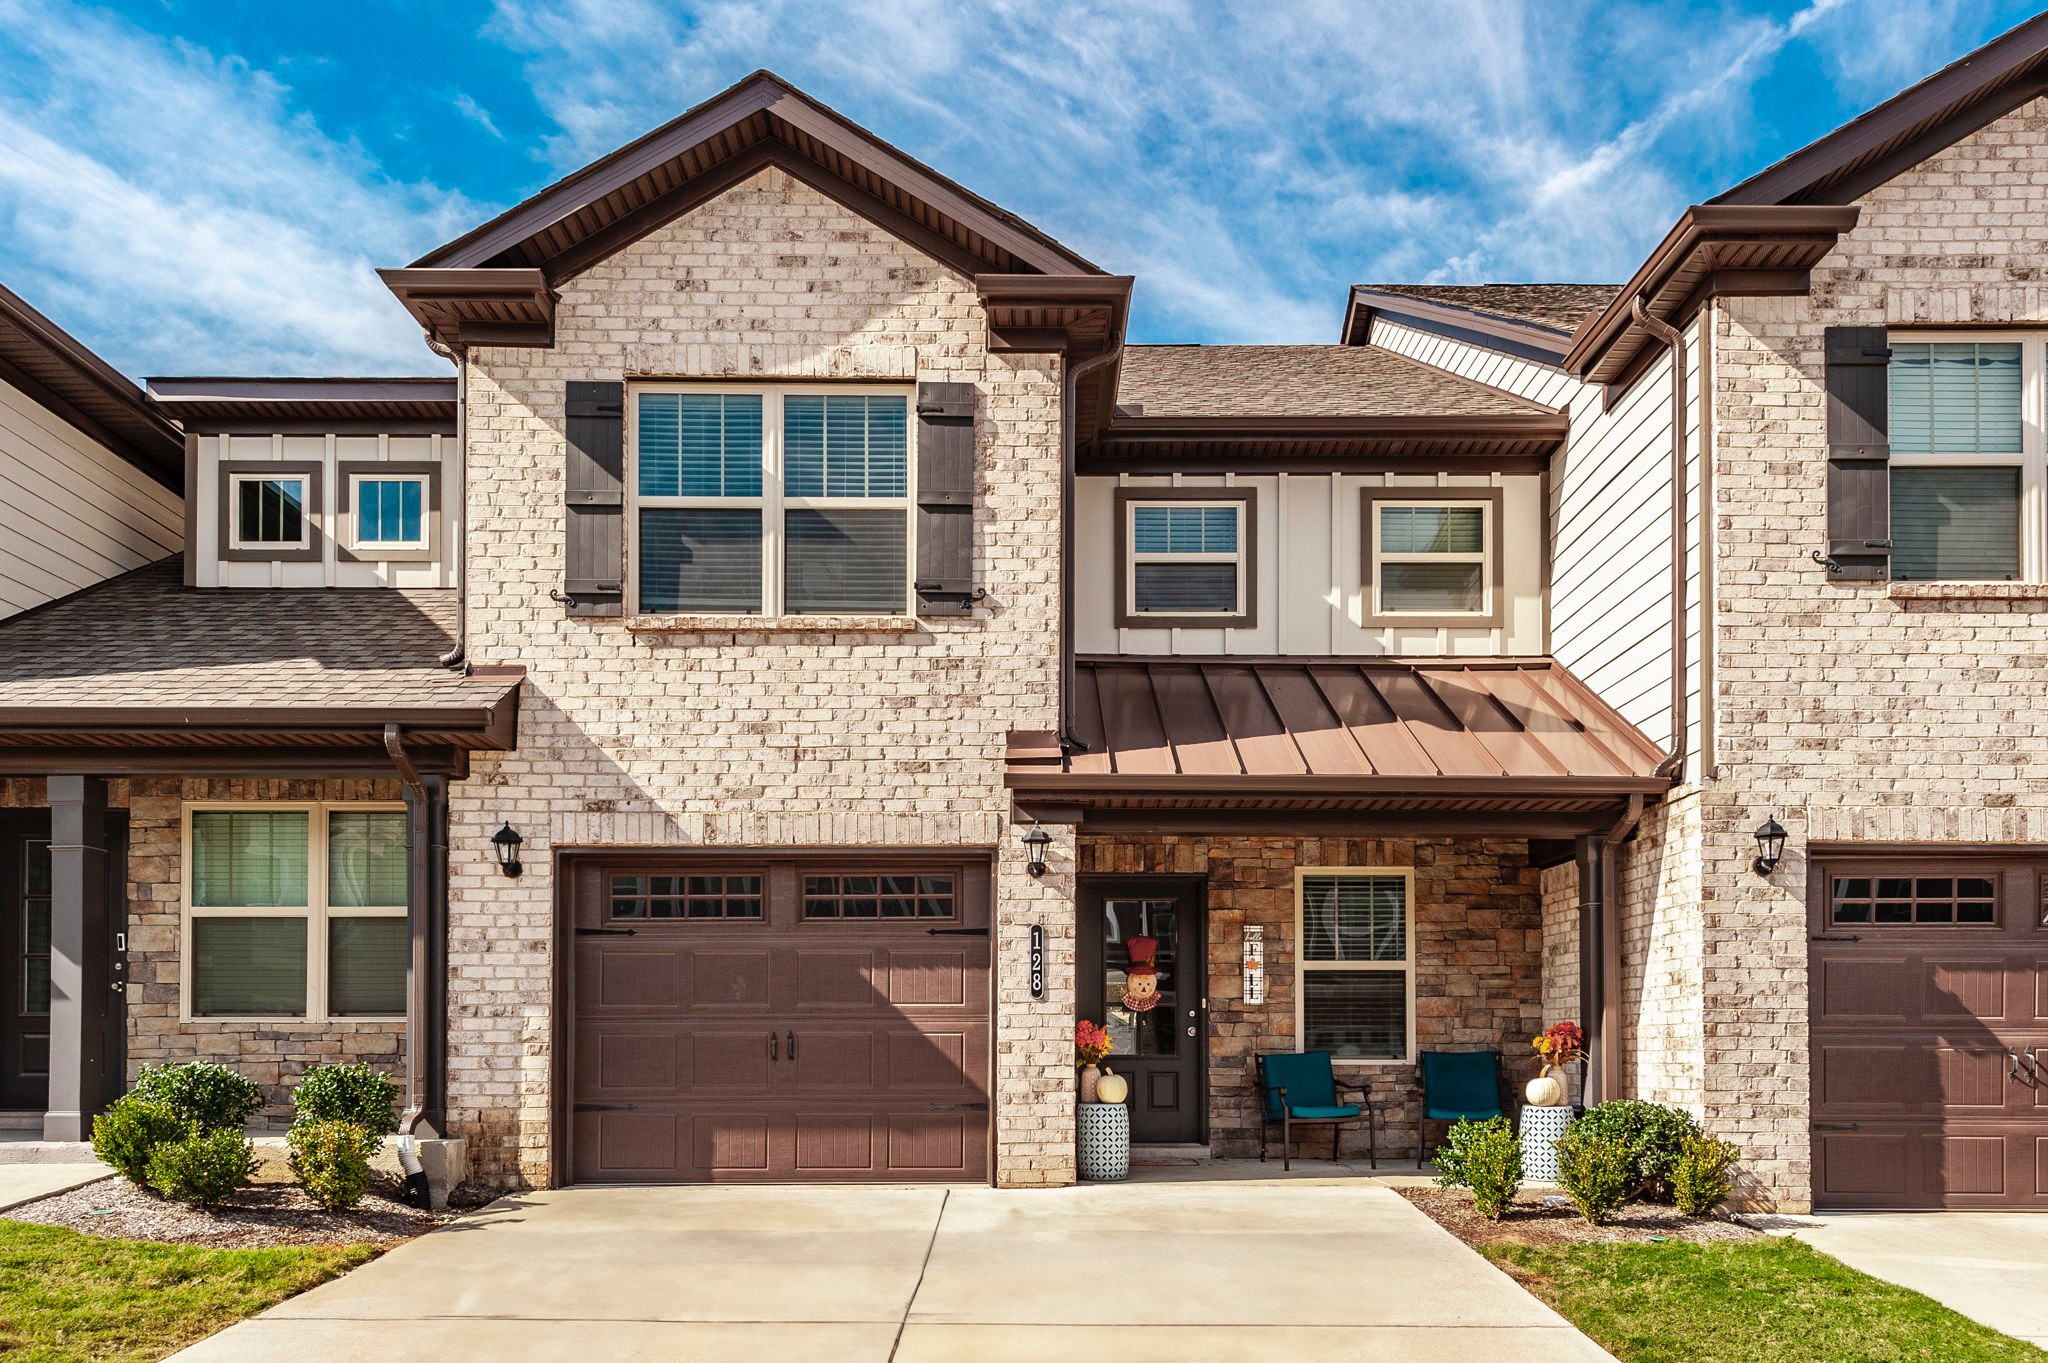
x: 774, y: 1052
x: 792, y: 1045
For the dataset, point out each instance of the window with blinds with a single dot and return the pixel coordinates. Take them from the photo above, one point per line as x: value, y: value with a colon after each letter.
x: 1185, y: 558
x: 772, y: 501
x: 296, y: 911
x: 1430, y: 558
x: 1354, y: 964
x: 1964, y: 456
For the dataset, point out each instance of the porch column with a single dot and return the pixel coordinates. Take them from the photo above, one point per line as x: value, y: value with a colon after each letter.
x: 426, y: 998
x: 81, y: 981
x: 1590, y: 854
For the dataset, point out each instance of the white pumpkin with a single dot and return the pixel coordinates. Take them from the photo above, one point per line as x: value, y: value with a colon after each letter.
x: 1112, y: 1088
x: 1545, y: 1090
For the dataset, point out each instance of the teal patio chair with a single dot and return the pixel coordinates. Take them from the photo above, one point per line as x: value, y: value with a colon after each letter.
x: 1299, y: 1088
x: 1457, y: 1086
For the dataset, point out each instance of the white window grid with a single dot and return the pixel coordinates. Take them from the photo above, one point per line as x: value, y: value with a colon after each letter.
x: 1482, y: 557
x: 2032, y: 457
x: 317, y: 911
x: 355, y: 518
x: 1131, y: 508
x: 233, y: 511
x: 773, y: 501
x: 1405, y: 966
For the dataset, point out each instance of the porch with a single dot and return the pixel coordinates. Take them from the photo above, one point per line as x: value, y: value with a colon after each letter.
x: 1338, y: 855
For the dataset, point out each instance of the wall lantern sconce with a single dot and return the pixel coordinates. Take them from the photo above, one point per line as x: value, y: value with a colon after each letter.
x: 1770, y: 847
x: 505, y: 842
x: 1035, y: 843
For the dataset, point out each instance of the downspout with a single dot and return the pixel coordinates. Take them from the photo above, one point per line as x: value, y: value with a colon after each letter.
x: 458, y: 656
x: 1681, y: 723
x: 1071, y: 386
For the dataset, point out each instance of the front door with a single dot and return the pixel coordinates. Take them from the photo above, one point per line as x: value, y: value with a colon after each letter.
x: 1162, y: 1050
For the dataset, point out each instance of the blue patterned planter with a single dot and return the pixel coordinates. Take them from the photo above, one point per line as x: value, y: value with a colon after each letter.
x: 1541, y: 1126
x: 1105, y: 1137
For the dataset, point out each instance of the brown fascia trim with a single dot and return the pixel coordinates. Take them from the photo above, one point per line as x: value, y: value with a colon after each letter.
x: 1090, y: 293
x: 1151, y: 786
x: 762, y: 92
x: 308, y: 762
x: 1691, y: 240
x: 495, y: 723
x: 427, y: 293
x: 214, y: 388
x: 1522, y: 340
x: 1979, y: 87
x: 151, y: 442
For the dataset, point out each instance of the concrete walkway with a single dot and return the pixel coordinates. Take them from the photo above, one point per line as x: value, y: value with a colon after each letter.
x: 1989, y: 1266
x: 1331, y: 1269
x: 21, y: 1183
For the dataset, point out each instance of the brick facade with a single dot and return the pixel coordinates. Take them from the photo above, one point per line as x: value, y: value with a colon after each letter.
x: 1477, y: 952
x: 760, y: 736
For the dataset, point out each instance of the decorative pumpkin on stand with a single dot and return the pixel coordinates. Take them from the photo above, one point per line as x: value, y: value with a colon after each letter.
x: 1560, y: 1044
x: 1111, y: 1087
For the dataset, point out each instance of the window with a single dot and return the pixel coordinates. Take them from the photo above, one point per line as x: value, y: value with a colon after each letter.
x: 1966, y: 456
x: 1914, y: 899
x: 772, y: 501
x: 296, y: 911
x: 35, y: 927
x: 1432, y: 560
x: 269, y: 511
x: 1185, y: 557
x: 878, y: 896
x: 686, y: 896
x: 1356, y: 987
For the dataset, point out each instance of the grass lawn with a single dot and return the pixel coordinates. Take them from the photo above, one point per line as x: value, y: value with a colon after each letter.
x: 1753, y: 1301
x: 70, y: 1298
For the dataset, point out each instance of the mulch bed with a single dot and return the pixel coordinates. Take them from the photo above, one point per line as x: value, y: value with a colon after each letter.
x: 1531, y: 1220
x: 264, y: 1215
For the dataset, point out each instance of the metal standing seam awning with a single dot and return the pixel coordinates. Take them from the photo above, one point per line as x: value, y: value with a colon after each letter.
x: 1514, y: 746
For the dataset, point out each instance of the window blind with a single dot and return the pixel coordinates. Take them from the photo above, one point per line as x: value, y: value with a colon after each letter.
x: 1354, y: 918
x: 1184, y: 529
x: 700, y: 445
x: 248, y: 967
x: 845, y: 446
x: 366, y: 963
x: 1955, y: 398
x: 1955, y: 524
x: 1360, y: 1014
x: 247, y: 858
x: 844, y: 561
x: 1432, y: 530
x: 366, y: 858
x: 699, y: 560
x: 1184, y: 588
x: 1449, y: 587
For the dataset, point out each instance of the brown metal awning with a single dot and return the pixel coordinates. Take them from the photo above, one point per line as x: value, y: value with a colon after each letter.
x: 1517, y: 745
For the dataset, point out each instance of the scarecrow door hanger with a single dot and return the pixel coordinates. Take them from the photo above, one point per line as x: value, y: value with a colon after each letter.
x: 1141, y: 976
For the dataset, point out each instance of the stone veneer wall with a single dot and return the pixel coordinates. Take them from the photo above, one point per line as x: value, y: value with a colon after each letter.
x: 751, y: 734
x: 1854, y: 711
x: 1478, y: 952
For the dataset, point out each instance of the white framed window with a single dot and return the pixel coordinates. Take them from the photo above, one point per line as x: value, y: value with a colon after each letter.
x: 1355, y: 974
x: 1432, y: 559
x: 294, y: 911
x: 388, y: 510
x: 268, y: 511
x: 778, y: 500
x: 1969, y: 474
x: 1186, y: 557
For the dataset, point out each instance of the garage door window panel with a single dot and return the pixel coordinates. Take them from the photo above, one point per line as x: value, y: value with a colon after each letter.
x: 876, y: 897
x: 687, y: 897
x: 1914, y: 900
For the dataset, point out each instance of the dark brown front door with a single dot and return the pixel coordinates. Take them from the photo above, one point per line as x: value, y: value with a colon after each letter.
x: 1929, y: 1005
x: 25, y: 956
x: 1164, y: 1050
x: 823, y: 1019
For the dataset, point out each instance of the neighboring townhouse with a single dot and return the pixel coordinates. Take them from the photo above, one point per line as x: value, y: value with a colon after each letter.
x: 804, y: 658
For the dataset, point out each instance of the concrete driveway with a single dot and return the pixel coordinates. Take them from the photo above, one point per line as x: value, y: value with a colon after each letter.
x: 1171, y: 1272
x: 1989, y: 1266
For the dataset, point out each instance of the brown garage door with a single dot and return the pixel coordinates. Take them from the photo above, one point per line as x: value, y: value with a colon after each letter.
x: 780, y: 1020
x: 1930, y: 1031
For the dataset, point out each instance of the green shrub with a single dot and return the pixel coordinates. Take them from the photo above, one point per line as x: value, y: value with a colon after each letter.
x: 211, y: 1097
x: 1485, y: 1157
x: 1653, y: 1133
x: 129, y: 1132
x: 359, y: 1094
x: 1699, y: 1176
x: 1595, y: 1171
x: 202, y: 1167
x: 332, y: 1161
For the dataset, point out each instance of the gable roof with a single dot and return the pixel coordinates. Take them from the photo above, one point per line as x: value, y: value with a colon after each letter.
x: 1555, y: 307
x: 762, y: 120
x: 1909, y: 127
x: 1298, y: 381
x: 1531, y: 322
x: 338, y: 406
x: 56, y: 370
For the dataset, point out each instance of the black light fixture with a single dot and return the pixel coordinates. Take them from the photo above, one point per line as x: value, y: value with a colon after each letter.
x: 1035, y: 843
x: 1770, y: 847
x: 505, y: 842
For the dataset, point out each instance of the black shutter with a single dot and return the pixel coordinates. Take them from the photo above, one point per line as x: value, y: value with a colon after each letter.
x: 594, y: 554
x: 945, y: 498
x: 1859, y: 454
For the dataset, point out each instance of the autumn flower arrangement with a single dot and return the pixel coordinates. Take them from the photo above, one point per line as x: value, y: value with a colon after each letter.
x: 1560, y: 1044
x: 1091, y: 1042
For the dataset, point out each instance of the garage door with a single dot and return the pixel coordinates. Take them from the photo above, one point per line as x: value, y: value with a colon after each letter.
x: 780, y: 1020
x: 1930, y: 1032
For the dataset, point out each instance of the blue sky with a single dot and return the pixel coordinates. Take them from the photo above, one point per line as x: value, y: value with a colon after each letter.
x: 206, y: 186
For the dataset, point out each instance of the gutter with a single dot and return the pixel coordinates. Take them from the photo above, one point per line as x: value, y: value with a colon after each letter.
x: 1071, y: 385
x: 1681, y: 721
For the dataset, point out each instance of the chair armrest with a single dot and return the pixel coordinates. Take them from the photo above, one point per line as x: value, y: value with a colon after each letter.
x: 1361, y: 1087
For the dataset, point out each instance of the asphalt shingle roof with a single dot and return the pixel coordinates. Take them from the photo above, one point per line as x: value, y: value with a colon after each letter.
x: 1560, y: 307
x: 146, y: 640
x: 1298, y: 380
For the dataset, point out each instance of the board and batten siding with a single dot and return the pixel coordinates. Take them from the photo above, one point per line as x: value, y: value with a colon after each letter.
x: 75, y: 512
x: 1311, y: 570
x: 1610, y: 518
x: 330, y: 452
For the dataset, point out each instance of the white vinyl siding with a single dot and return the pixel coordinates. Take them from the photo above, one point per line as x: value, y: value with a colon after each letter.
x: 72, y: 512
x: 1511, y: 374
